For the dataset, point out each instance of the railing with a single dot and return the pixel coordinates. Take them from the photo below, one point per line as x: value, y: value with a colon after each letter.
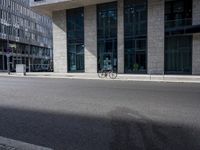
x: 178, y: 23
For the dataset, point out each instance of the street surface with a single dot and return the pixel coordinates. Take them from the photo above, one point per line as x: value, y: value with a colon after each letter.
x: 69, y: 114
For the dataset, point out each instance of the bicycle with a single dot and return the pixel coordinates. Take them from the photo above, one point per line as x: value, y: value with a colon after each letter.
x: 105, y: 73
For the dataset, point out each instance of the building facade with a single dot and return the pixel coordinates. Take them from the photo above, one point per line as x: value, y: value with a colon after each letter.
x: 25, y: 37
x: 129, y: 36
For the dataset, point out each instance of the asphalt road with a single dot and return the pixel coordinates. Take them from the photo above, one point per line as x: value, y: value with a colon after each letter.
x: 67, y: 114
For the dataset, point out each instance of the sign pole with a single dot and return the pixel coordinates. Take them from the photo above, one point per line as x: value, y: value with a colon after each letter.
x: 8, y: 56
x: 8, y: 50
x: 8, y: 65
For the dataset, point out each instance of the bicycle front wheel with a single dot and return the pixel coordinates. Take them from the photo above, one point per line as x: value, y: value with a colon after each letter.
x: 101, y: 74
x: 112, y: 75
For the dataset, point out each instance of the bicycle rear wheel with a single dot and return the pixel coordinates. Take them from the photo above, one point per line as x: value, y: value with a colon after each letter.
x: 112, y: 75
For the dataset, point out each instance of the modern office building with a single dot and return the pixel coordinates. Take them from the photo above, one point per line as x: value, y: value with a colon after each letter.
x: 130, y: 36
x: 25, y: 37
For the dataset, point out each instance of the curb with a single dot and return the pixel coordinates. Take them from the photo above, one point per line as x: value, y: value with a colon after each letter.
x: 174, y: 79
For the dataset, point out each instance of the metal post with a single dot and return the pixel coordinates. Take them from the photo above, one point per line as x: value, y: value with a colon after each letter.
x: 29, y: 59
x: 8, y: 55
x: 8, y: 45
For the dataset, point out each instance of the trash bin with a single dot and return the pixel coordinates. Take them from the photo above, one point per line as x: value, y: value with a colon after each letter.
x: 21, y: 69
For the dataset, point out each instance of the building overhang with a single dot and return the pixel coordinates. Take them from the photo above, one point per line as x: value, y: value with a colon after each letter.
x: 46, y: 7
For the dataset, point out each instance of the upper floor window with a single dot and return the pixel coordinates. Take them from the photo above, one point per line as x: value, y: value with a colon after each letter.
x: 178, y: 13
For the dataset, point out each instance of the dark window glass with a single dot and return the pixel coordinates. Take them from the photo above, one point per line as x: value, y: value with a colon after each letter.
x: 5, y: 62
x: 178, y: 13
x: 75, y: 39
x: 135, y: 32
x: 1, y: 62
x: 178, y: 48
x: 178, y: 55
x: 107, y: 36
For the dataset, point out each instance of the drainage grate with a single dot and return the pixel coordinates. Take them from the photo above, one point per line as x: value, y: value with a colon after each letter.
x: 6, y: 147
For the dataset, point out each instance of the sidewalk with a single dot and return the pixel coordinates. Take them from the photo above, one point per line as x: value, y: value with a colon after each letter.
x: 121, y: 77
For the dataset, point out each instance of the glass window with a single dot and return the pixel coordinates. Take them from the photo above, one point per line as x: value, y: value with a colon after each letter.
x: 1, y: 62
x: 135, y: 33
x: 178, y: 48
x: 75, y: 39
x: 178, y: 13
x: 107, y: 36
x: 178, y: 55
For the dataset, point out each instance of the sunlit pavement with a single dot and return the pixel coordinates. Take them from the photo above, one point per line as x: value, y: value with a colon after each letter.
x: 65, y: 114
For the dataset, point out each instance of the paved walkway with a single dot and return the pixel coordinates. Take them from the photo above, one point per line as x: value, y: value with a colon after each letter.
x: 122, y: 77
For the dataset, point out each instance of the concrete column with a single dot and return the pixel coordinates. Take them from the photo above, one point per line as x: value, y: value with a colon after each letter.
x: 120, y: 36
x: 90, y: 27
x: 156, y: 36
x: 60, y: 41
x: 196, y: 39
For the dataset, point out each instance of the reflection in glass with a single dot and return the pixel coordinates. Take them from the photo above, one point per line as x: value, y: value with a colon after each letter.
x: 75, y: 39
x: 178, y: 55
x: 178, y: 47
x: 178, y: 13
x: 107, y: 36
x: 135, y: 33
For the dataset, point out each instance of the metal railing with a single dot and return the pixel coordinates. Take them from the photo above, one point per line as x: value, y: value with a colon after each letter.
x: 178, y: 23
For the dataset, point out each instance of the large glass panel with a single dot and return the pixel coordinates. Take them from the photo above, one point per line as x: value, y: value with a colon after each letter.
x: 178, y: 47
x: 75, y: 39
x: 178, y: 13
x: 135, y: 34
x: 107, y: 36
x: 1, y: 62
x: 178, y: 55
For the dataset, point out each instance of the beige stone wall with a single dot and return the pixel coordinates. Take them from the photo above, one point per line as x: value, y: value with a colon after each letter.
x: 156, y: 36
x: 59, y: 41
x: 120, y: 36
x: 90, y: 39
x: 196, y: 39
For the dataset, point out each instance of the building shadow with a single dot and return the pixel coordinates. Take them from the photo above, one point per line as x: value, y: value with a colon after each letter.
x: 121, y: 129
x: 133, y: 131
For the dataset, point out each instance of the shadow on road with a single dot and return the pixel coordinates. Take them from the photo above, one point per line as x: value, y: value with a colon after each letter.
x: 121, y: 129
x: 133, y: 131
